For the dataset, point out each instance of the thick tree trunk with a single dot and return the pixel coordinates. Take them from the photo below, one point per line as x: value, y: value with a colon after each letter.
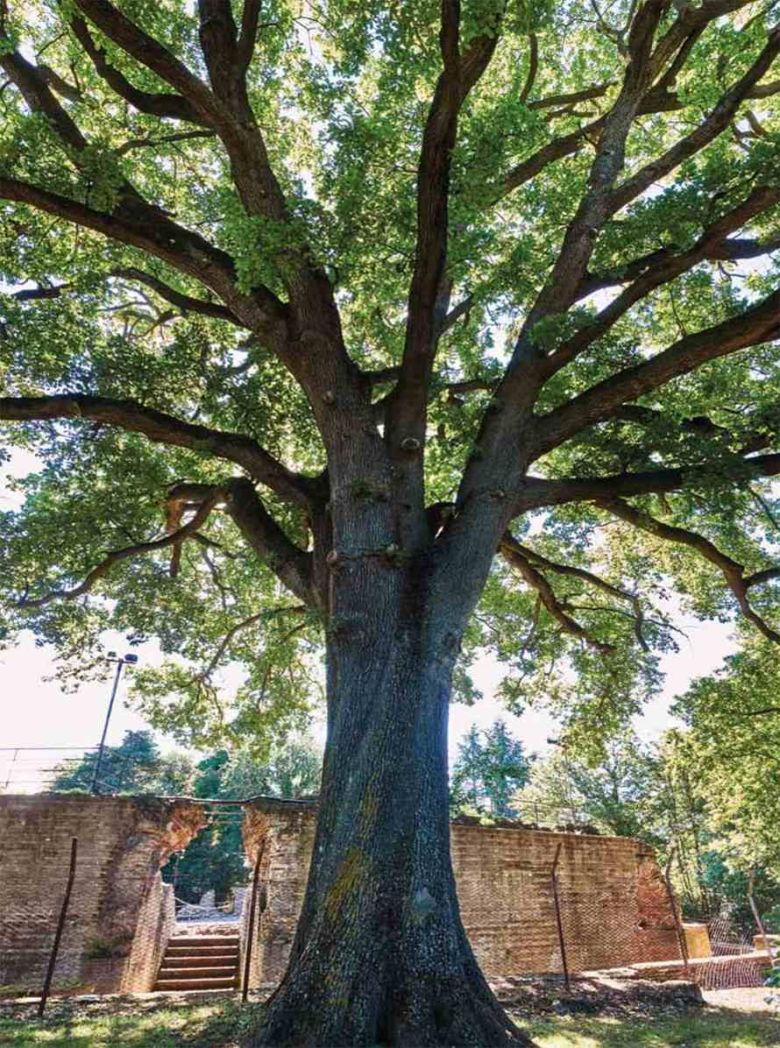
x: 380, y: 956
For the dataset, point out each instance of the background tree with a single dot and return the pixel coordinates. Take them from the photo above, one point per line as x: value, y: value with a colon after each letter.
x: 366, y: 294
x: 712, y: 813
x: 135, y: 766
x: 490, y: 767
x: 615, y: 796
x: 734, y: 729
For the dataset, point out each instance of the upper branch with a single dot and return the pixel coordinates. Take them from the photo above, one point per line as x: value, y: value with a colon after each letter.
x: 429, y: 293
x: 732, y: 249
x: 155, y: 103
x: 152, y: 54
x: 245, y: 45
x: 676, y: 44
x: 144, y: 226
x: 133, y: 219
x: 537, y: 492
x: 580, y: 236
x: 186, y: 303
x: 165, y: 429
x: 732, y: 571
x: 706, y: 132
x: 759, y: 323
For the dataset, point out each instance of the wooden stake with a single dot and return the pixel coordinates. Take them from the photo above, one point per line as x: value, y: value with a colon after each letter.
x: 251, y: 930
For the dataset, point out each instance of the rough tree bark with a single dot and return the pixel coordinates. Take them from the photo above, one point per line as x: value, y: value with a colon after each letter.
x: 380, y: 955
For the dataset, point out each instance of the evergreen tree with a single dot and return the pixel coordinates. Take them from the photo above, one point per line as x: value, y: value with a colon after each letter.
x: 491, y: 766
x: 135, y: 766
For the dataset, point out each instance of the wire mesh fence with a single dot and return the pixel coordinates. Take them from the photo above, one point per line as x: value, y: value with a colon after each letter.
x: 35, y: 769
x: 41, y: 769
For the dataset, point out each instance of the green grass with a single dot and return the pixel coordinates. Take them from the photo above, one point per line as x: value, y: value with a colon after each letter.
x: 224, y: 1024
x: 208, y: 1025
x: 710, y: 1030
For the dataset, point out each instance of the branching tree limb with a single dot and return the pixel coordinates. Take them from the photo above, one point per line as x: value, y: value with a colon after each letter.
x: 590, y: 578
x: 662, y: 272
x: 186, y: 303
x: 732, y: 571
x: 517, y: 559
x: 129, y: 552
x: 165, y: 429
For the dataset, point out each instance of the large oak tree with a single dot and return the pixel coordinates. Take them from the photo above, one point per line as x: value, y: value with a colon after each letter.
x: 433, y: 326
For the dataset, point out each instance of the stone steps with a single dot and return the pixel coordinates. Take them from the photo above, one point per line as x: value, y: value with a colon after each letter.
x: 196, y: 984
x: 205, y: 962
x: 203, y: 940
x: 203, y: 951
x: 196, y: 960
x: 222, y: 971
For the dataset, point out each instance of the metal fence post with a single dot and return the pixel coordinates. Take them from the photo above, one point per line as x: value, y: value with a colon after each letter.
x: 757, y: 918
x: 251, y: 929
x: 558, y: 921
x: 675, y: 914
x: 74, y: 844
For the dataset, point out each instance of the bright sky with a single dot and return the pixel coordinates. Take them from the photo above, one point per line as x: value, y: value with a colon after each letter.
x: 35, y: 712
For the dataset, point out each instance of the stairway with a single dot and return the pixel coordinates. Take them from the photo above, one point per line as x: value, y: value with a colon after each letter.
x: 199, y: 962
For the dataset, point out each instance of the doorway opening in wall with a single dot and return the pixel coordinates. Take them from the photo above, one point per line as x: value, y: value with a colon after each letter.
x: 208, y: 880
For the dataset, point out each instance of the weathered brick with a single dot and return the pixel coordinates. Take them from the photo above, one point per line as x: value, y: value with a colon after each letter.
x: 118, y: 916
x: 615, y: 908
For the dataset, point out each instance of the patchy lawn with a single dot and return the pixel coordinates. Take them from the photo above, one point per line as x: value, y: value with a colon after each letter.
x: 709, y: 1029
x: 218, y: 1024
x: 224, y: 1023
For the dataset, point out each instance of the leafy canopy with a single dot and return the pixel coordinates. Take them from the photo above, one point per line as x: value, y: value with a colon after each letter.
x: 529, y: 249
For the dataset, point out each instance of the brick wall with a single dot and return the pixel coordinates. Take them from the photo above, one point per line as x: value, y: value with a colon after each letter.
x: 613, y: 900
x: 615, y: 910
x: 156, y: 922
x: 284, y: 832
x: 122, y: 842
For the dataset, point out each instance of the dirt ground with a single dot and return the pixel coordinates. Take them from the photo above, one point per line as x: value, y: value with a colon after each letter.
x: 744, y: 999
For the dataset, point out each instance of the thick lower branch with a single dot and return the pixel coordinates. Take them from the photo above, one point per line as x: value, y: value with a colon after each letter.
x: 164, y: 429
x: 290, y: 563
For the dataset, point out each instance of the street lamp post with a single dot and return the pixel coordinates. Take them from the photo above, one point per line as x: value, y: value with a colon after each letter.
x: 120, y: 662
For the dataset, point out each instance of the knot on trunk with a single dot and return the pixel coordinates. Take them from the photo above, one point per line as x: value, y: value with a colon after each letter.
x: 423, y: 905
